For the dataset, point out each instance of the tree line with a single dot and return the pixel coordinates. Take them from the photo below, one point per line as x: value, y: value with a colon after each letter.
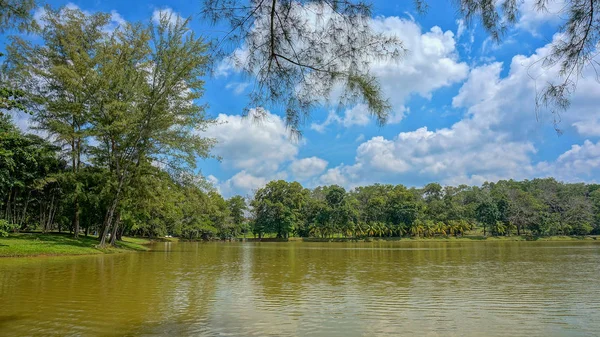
x: 539, y: 207
x: 39, y: 190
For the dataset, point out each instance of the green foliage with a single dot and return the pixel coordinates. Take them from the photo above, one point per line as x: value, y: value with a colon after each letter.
x: 277, y: 208
x: 16, y: 14
x: 539, y: 207
x: 297, y: 64
x: 6, y: 228
x: 119, y: 101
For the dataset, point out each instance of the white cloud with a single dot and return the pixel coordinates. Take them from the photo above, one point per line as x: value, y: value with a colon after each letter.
x: 242, y: 183
x: 494, y: 140
x: 461, y: 27
x: 334, y: 176
x: 258, y: 145
x: 237, y: 87
x: 307, y: 167
x: 431, y: 63
x: 116, y: 19
x: 581, y: 161
x: 532, y: 17
x: 168, y: 13
x: 357, y: 115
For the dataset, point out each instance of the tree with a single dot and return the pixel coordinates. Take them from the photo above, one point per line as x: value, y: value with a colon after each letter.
x: 14, y: 14
x: 402, y: 209
x: 488, y: 214
x: 130, y: 92
x: 277, y: 208
x: 300, y: 51
x: 237, y: 207
x: 29, y: 178
x: 522, y: 209
x: 58, y: 77
x: 149, y: 77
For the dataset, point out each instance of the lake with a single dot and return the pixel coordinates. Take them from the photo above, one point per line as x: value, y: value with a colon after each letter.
x: 456, y: 288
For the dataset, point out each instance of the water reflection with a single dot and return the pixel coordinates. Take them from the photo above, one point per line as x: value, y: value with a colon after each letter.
x: 303, y: 289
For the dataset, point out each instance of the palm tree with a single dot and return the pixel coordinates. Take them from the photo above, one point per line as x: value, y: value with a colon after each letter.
x: 440, y: 228
x: 429, y: 228
x: 416, y: 229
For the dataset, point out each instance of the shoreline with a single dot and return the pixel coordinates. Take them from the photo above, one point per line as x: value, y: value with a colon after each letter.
x: 63, y: 244
x: 467, y: 238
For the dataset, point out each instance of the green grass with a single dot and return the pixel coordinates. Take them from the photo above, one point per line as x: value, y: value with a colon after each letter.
x: 37, y: 244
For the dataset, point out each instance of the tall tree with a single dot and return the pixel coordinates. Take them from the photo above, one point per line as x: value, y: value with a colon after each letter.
x: 14, y: 14
x: 277, y: 208
x: 144, y: 109
x: 59, y: 77
x: 237, y: 208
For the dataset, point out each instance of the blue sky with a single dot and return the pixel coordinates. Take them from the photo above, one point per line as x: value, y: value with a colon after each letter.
x: 464, y: 110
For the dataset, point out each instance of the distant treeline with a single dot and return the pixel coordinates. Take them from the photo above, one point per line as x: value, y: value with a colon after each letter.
x: 538, y: 207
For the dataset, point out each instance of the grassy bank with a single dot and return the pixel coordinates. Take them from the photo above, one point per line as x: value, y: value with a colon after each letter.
x: 37, y: 244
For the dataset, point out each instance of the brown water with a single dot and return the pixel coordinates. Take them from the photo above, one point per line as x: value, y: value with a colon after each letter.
x: 303, y: 289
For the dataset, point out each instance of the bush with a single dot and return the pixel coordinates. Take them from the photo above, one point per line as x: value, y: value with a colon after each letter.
x: 6, y: 227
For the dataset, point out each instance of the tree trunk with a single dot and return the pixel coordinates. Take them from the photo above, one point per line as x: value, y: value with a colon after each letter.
x: 25, y: 209
x: 76, y: 217
x: 107, y: 223
x: 115, y: 229
x: 42, y: 217
x: 50, y: 217
x: 110, y: 213
x: 120, y: 233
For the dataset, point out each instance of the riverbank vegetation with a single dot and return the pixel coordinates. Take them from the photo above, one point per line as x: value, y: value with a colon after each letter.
x: 51, y: 244
x: 39, y: 192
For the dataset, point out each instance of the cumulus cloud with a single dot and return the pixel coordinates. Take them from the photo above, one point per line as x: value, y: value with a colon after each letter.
x: 533, y: 17
x: 242, y: 183
x: 494, y: 139
x: 258, y: 145
x: 580, y: 162
x: 307, y: 167
x: 431, y: 63
x: 334, y: 176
